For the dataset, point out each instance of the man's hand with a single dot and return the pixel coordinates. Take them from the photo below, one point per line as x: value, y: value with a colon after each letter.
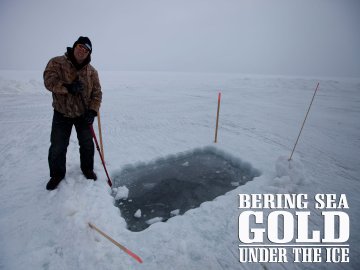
x: 89, y: 116
x: 75, y: 87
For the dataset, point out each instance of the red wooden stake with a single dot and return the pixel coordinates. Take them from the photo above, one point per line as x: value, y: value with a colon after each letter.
x: 217, y: 117
x: 101, y: 157
x: 127, y: 251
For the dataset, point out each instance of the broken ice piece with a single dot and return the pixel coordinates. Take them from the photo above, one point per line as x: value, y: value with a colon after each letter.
x: 149, y: 185
x: 122, y: 193
x: 185, y: 164
x: 175, y: 212
x: 235, y: 184
x: 154, y: 220
x: 138, y: 214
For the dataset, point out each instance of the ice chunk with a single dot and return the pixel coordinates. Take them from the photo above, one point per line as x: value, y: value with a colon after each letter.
x: 154, y: 220
x: 138, y: 214
x: 185, y: 164
x: 122, y: 193
x: 175, y: 212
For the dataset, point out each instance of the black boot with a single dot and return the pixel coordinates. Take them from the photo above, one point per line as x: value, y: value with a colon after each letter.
x: 89, y: 174
x: 53, y: 182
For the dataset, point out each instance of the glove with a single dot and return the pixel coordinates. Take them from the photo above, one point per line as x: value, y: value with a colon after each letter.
x: 89, y: 116
x: 75, y: 87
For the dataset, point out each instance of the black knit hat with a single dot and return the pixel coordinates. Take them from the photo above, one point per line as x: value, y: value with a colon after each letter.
x: 84, y: 41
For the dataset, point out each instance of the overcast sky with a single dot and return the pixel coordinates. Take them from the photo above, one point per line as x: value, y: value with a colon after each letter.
x: 289, y: 37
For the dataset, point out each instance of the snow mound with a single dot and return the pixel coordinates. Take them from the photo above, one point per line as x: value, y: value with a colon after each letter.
x: 289, y: 174
x: 8, y: 86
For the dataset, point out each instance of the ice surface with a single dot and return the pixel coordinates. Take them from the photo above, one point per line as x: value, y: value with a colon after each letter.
x: 173, y: 185
x: 148, y: 115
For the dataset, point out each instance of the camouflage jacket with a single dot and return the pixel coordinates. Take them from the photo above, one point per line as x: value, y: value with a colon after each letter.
x: 60, y: 70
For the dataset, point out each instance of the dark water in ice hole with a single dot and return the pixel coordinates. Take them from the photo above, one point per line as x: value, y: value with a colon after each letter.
x: 180, y: 182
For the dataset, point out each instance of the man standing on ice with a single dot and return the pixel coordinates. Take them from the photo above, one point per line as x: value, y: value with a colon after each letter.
x: 77, y: 95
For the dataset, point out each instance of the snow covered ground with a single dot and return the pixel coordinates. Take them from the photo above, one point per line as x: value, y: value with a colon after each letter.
x: 150, y: 115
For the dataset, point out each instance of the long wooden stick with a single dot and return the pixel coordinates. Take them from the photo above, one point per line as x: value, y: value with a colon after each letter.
x: 100, y: 135
x: 98, y: 149
x: 217, y: 117
x: 304, y: 121
x: 129, y: 252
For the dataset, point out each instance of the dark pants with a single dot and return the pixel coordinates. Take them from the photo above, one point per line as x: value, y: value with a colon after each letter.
x: 60, y: 136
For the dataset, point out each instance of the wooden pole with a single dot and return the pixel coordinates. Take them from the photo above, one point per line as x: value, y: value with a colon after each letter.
x: 129, y: 252
x: 217, y: 117
x: 98, y: 149
x: 100, y: 135
x: 304, y: 121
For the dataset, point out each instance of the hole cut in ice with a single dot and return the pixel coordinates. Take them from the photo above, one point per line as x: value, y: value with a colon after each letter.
x: 170, y: 186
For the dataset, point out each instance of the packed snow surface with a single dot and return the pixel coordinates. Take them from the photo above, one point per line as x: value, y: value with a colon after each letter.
x: 145, y: 116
